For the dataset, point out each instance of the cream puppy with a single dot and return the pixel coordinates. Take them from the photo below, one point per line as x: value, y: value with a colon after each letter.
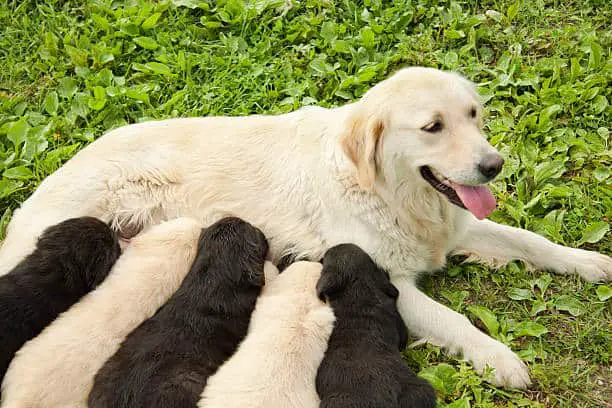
x: 276, y: 364
x: 56, y: 369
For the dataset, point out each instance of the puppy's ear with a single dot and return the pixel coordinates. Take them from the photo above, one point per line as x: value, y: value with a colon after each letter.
x: 360, y: 143
x: 333, y: 280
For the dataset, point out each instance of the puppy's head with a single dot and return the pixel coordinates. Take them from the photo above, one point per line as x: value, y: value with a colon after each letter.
x: 422, y: 128
x: 85, y: 247
x: 351, y: 277
x: 235, y: 248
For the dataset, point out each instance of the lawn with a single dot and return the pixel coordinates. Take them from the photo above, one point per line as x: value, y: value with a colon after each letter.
x: 72, y: 70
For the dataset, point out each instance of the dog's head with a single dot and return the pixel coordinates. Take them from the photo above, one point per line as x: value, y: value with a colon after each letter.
x: 350, y: 276
x: 423, y: 126
x: 235, y: 248
x: 85, y: 248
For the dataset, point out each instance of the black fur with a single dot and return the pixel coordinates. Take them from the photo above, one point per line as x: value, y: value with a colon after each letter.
x: 70, y: 259
x: 166, y: 361
x: 362, y: 367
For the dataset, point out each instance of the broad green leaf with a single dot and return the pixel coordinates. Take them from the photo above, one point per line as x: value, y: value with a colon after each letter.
x: 146, y: 43
x: 328, y: 31
x: 36, y: 141
x: 159, y: 68
x: 594, y: 232
x: 528, y: 328
x: 151, y: 21
x: 18, y: 173
x: 520, y: 294
x: 543, y: 282
x: 367, y: 37
x: 51, y: 103
x: 136, y: 93
x: 8, y: 187
x: 441, y: 377
x: 537, y: 307
x: 604, y: 293
x: 67, y: 87
x: 569, y: 304
x: 487, y: 317
x: 17, y: 132
x: 599, y: 104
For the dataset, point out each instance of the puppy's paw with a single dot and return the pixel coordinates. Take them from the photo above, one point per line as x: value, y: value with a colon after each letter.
x: 591, y: 266
x: 509, y: 369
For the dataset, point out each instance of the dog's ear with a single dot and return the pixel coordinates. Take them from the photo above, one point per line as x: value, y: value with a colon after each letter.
x: 333, y: 280
x: 360, y: 142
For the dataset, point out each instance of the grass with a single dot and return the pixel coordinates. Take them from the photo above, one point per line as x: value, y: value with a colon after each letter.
x: 72, y: 70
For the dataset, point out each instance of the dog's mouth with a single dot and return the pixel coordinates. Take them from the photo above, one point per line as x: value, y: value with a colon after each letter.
x: 476, y: 199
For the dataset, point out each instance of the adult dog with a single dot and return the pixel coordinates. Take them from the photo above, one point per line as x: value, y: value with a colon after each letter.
x: 401, y: 173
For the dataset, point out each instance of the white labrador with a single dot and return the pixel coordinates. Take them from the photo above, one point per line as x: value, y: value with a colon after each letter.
x: 276, y: 364
x: 393, y: 173
x: 57, y: 368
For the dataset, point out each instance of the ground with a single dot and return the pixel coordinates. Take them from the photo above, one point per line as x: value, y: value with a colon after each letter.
x: 72, y: 70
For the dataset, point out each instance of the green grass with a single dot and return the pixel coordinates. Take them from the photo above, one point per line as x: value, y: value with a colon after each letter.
x: 71, y: 71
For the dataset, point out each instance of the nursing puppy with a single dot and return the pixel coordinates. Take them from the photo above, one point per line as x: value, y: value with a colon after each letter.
x: 56, y: 369
x: 166, y: 361
x: 276, y: 364
x: 70, y: 259
x: 363, y: 367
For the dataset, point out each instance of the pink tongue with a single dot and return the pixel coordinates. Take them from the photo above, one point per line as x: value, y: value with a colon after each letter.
x: 478, y: 199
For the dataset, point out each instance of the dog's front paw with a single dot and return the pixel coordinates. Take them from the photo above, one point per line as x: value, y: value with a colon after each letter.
x: 509, y: 369
x: 591, y: 266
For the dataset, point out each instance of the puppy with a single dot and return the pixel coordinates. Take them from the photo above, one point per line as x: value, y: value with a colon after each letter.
x: 166, y: 361
x: 362, y: 367
x: 56, y: 369
x: 276, y: 364
x: 70, y: 259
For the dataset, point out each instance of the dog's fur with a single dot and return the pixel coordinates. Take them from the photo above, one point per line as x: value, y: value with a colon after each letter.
x: 276, y: 364
x: 363, y: 367
x: 166, y: 361
x: 57, y: 368
x: 348, y: 174
x: 70, y: 259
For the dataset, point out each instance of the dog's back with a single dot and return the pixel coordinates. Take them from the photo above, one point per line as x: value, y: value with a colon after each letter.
x: 276, y: 364
x: 70, y: 259
x: 363, y: 367
x: 166, y: 360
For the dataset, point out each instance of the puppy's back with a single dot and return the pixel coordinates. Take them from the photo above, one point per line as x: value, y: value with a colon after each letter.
x: 56, y: 369
x: 276, y: 364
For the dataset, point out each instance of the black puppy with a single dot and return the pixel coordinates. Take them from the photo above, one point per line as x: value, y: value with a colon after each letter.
x: 70, y: 259
x: 362, y: 367
x: 166, y: 361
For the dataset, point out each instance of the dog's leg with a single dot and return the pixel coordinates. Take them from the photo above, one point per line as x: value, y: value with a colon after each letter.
x: 498, y: 244
x: 436, y: 324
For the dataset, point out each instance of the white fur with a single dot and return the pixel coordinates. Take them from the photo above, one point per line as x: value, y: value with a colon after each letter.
x: 276, y: 364
x: 311, y: 179
x: 56, y: 369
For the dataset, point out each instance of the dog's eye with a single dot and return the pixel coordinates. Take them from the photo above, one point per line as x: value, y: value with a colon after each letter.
x: 473, y: 113
x: 433, y: 127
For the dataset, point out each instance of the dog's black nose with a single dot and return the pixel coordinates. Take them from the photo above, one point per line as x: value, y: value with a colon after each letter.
x: 491, y: 165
